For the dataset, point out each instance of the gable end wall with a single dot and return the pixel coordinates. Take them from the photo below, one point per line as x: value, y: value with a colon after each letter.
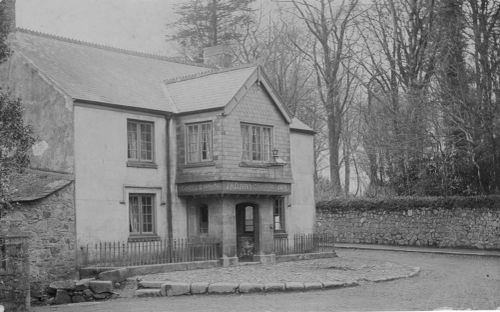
x: 47, y: 110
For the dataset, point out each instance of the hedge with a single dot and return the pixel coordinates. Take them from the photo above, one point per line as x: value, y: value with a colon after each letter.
x: 405, y: 203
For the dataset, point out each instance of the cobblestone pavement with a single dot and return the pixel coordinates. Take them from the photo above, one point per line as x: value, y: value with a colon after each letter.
x: 330, y: 269
x: 458, y: 282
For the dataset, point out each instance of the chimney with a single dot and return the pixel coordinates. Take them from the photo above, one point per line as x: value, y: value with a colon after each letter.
x: 8, y: 15
x: 220, y: 56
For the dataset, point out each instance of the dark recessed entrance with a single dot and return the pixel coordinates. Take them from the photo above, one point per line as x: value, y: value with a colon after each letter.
x: 246, y: 229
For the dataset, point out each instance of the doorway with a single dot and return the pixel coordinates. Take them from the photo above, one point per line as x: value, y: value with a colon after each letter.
x: 246, y: 229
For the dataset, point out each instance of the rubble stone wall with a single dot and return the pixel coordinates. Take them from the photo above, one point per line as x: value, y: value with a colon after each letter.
x: 472, y: 222
x: 50, y: 225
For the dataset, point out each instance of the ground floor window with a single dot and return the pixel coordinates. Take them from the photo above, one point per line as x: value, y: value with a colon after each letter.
x: 279, y: 214
x: 203, y: 218
x: 142, y: 217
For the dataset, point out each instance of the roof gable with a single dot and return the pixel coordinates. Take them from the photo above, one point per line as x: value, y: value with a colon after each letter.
x: 219, y: 89
x: 98, y: 73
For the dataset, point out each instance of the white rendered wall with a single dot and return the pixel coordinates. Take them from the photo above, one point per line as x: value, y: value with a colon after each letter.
x: 102, y: 178
x: 301, y: 211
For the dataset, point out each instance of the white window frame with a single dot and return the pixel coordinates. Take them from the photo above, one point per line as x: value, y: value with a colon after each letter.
x: 254, y: 147
x: 138, y: 143
x: 197, y: 144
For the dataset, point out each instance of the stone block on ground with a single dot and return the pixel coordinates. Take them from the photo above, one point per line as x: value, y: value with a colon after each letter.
x: 151, y: 284
x: 250, y: 287
x: 294, y: 286
x: 63, y: 284
x: 175, y: 289
x: 62, y: 297
x: 313, y: 285
x: 199, y: 288
x: 83, y: 284
x: 118, y: 275
x: 77, y: 299
x: 272, y: 287
x: 101, y: 286
x: 222, y: 288
x: 148, y: 292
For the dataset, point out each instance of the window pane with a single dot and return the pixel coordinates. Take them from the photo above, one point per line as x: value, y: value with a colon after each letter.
x: 256, y: 143
x: 203, y: 215
x: 245, y: 138
x: 278, y: 215
x: 132, y: 140
x: 134, y: 214
x: 249, y: 226
x: 146, y: 141
x: 266, y: 144
x: 192, y: 143
x: 206, y: 130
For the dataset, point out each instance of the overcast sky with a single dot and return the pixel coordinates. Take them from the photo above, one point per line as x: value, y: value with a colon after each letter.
x: 130, y: 24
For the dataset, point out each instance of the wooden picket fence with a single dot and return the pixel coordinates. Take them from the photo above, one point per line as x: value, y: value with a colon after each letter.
x: 130, y: 253
x: 303, y: 243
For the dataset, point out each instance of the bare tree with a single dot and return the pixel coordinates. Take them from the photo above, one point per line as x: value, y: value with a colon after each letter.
x: 329, y: 22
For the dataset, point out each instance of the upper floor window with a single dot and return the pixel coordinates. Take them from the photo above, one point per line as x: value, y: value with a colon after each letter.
x: 256, y: 142
x: 141, y: 215
x: 199, y: 142
x: 140, y: 140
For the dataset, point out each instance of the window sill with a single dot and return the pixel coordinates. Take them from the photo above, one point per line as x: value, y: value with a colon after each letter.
x: 143, y: 238
x: 141, y: 164
x: 199, y: 164
x: 260, y: 164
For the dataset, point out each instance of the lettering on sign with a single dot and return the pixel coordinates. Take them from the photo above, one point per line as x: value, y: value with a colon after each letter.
x: 230, y: 187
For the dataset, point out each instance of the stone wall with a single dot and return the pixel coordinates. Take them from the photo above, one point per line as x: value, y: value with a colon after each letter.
x: 14, y: 272
x: 472, y: 222
x: 50, y: 225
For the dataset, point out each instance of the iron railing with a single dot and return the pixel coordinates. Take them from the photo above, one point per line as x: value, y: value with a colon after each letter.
x: 130, y: 253
x: 303, y: 243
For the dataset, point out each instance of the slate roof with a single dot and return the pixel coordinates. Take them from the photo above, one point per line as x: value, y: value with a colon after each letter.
x: 35, y: 184
x: 299, y: 126
x: 208, y: 90
x: 103, y: 74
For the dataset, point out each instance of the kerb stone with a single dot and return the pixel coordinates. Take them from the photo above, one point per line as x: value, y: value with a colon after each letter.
x: 170, y: 289
x: 313, y: 285
x: 250, y: 287
x: 148, y: 292
x: 294, y: 286
x: 222, y: 288
x: 199, y: 288
x: 101, y: 286
x: 272, y: 287
x: 150, y: 284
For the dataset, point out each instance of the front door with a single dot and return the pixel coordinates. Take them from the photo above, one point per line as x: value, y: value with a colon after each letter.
x: 246, y: 227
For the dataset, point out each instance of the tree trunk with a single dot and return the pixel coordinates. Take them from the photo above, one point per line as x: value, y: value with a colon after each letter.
x: 334, y: 142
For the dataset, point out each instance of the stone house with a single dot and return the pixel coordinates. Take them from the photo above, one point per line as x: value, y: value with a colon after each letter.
x: 158, y: 148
